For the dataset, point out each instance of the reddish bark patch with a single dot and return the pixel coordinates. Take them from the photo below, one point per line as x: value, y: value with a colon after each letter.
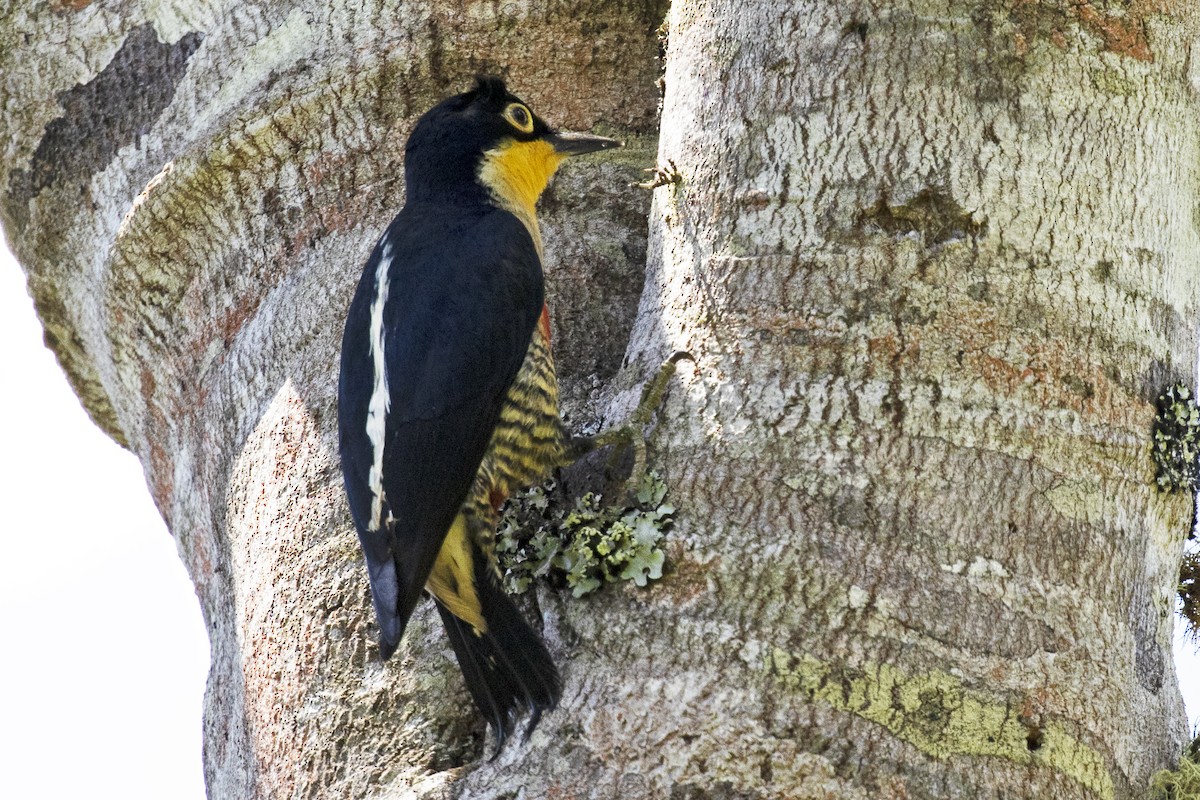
x: 161, y: 467
x: 1123, y: 34
x: 894, y: 788
x: 1046, y: 371
x: 232, y: 321
x: 60, y: 6
x: 686, y: 579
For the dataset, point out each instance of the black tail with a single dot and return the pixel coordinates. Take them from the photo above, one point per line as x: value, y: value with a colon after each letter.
x: 508, y: 670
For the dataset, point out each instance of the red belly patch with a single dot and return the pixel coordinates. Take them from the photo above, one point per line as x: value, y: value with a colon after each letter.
x: 497, y: 497
x: 544, y: 324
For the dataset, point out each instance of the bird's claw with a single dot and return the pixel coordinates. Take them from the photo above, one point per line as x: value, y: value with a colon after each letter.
x: 660, y: 176
x: 656, y: 387
x: 630, y: 434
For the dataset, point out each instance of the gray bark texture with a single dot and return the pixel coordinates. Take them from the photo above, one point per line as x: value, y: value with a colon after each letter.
x: 934, y: 260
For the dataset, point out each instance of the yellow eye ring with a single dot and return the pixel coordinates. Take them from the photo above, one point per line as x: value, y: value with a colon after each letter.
x: 519, y: 117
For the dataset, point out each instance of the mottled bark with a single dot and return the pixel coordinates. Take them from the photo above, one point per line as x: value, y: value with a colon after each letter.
x: 933, y: 261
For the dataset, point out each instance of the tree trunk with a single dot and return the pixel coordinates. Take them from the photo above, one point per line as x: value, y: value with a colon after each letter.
x: 935, y: 263
x: 918, y: 553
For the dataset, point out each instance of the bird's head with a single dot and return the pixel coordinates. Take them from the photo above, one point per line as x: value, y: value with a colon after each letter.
x: 487, y: 143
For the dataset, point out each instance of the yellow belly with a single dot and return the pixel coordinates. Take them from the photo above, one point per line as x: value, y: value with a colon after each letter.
x: 452, y: 579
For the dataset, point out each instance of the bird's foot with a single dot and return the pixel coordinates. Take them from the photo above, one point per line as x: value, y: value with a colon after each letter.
x: 630, y: 435
x: 660, y: 176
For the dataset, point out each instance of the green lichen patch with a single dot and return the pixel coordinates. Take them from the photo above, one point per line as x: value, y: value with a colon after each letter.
x: 1181, y: 783
x: 585, y: 545
x: 1176, y: 440
x: 937, y: 714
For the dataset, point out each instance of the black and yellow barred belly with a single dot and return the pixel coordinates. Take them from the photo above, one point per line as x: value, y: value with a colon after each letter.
x: 529, y: 441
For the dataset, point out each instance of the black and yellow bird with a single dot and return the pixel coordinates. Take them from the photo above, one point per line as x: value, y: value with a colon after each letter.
x: 447, y: 400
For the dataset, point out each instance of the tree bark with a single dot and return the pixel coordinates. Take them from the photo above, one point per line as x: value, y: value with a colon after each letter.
x: 933, y: 261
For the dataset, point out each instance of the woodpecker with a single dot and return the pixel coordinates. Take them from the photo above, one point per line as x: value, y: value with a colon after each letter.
x: 447, y: 398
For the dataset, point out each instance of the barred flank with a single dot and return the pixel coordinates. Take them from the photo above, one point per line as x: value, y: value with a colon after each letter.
x: 529, y: 440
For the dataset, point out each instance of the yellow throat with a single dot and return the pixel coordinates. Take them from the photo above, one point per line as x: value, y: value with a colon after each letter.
x: 515, y: 173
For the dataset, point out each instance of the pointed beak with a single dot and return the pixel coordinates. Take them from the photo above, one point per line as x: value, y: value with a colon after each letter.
x: 573, y: 144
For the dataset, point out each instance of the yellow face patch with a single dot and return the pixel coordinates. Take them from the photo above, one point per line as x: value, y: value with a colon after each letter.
x: 516, y: 173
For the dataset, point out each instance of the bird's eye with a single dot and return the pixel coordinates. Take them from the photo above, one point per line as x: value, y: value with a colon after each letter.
x: 519, y: 117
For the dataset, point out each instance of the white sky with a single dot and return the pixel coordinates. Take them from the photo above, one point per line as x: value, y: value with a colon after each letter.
x: 105, y: 650
x: 1187, y: 661
x: 105, y: 653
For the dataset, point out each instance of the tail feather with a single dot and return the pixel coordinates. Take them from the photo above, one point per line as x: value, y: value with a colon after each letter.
x: 459, y: 632
x: 507, y: 669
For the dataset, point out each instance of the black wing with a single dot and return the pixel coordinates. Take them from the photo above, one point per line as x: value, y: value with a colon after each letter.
x: 464, y: 293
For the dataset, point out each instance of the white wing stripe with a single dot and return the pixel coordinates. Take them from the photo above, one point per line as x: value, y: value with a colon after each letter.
x: 380, y: 397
